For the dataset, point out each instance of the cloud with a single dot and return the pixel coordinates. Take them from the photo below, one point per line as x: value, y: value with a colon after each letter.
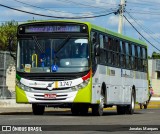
x: 113, y: 20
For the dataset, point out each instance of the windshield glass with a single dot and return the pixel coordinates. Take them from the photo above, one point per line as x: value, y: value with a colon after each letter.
x: 41, y: 55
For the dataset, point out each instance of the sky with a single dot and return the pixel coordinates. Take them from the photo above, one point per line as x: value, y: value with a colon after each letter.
x: 143, y: 14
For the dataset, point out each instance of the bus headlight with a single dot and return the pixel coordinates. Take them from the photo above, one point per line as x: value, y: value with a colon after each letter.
x: 22, y: 86
x: 80, y: 86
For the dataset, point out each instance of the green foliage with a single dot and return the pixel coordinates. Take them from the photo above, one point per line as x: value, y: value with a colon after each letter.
x: 155, y: 55
x: 149, y: 57
x: 8, y: 30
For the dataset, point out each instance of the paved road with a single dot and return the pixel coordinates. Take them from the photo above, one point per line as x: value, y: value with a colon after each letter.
x: 24, y: 116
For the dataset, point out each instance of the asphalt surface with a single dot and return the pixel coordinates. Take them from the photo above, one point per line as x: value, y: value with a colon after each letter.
x: 59, y: 121
x: 55, y: 121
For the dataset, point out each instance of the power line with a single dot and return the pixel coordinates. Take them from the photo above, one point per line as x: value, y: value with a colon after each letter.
x: 49, y: 16
x: 140, y: 33
x: 54, y: 10
x: 144, y: 29
x: 36, y: 6
x: 87, y: 5
x: 143, y: 2
x: 145, y: 12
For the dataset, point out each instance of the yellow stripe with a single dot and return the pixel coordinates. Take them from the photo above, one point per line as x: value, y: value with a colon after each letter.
x: 56, y: 84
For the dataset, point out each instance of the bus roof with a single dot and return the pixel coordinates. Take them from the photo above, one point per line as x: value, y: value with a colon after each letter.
x: 118, y: 35
x: 92, y: 26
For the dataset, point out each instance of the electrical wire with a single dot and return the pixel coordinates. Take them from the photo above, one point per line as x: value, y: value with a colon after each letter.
x: 150, y: 13
x: 56, y: 10
x: 144, y: 29
x: 87, y: 5
x: 143, y: 2
x: 49, y: 16
x: 140, y: 33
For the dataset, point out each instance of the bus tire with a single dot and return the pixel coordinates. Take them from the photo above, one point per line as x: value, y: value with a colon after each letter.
x: 145, y: 106
x: 130, y: 108
x: 38, y: 109
x: 75, y: 109
x: 121, y: 110
x: 97, y: 109
x: 84, y: 109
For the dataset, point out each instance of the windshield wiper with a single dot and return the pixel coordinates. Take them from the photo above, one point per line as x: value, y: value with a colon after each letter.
x: 63, y: 43
x: 38, y: 44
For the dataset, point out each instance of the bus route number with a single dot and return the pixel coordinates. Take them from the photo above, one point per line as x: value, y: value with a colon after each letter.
x: 65, y: 83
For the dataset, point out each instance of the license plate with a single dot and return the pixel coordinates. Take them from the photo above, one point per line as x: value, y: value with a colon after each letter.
x: 53, y: 96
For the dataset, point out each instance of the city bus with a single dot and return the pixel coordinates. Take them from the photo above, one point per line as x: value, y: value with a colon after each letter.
x: 78, y: 65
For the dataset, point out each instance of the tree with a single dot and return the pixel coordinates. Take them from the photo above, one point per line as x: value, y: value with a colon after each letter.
x: 8, y: 30
x: 155, y: 55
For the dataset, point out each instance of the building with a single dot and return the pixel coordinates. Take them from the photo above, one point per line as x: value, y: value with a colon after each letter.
x: 154, y: 75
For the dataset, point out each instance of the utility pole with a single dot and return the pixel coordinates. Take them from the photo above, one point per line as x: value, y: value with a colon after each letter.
x: 121, y: 10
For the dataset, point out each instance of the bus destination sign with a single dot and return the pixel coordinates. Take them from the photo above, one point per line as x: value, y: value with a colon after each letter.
x: 51, y: 29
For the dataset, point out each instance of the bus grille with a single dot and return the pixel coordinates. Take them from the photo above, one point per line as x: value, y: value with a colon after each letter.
x: 46, y: 89
x: 50, y: 99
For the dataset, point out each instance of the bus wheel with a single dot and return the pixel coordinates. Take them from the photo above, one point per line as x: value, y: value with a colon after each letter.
x: 121, y: 110
x: 145, y: 105
x: 75, y: 109
x: 84, y: 109
x: 130, y: 108
x: 38, y: 109
x: 97, y: 109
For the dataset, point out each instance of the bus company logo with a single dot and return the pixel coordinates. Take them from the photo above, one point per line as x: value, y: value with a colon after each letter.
x: 50, y: 86
x: 37, y: 84
x: 33, y: 84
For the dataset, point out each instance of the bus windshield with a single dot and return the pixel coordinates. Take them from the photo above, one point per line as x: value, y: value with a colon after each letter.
x: 42, y: 55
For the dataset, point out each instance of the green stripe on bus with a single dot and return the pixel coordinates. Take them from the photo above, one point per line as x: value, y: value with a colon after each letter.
x: 18, y: 77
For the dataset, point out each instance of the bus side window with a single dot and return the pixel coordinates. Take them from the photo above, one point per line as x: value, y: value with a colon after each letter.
x: 130, y: 55
x: 109, y: 48
x: 133, y: 56
x: 117, y: 53
x: 101, y: 41
x: 94, y: 41
x: 105, y: 42
x: 136, y: 57
x: 110, y: 43
x: 139, y: 57
x: 127, y: 55
x: 93, y: 37
x: 145, y: 57
x: 102, y: 50
x: 122, y: 51
x: 105, y: 39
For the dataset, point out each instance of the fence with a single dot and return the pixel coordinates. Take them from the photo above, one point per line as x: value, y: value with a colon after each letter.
x: 7, y: 76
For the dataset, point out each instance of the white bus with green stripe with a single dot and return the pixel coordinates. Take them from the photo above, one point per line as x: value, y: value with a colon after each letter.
x: 78, y: 65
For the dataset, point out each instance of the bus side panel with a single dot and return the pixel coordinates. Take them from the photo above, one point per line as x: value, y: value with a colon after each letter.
x: 119, y: 83
x: 141, y: 84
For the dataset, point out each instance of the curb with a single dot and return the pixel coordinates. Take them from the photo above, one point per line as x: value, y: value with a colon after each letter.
x: 12, y: 103
x: 154, y: 103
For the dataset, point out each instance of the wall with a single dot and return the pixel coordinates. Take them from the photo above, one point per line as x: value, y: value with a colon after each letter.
x: 152, y: 68
x: 7, y: 75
